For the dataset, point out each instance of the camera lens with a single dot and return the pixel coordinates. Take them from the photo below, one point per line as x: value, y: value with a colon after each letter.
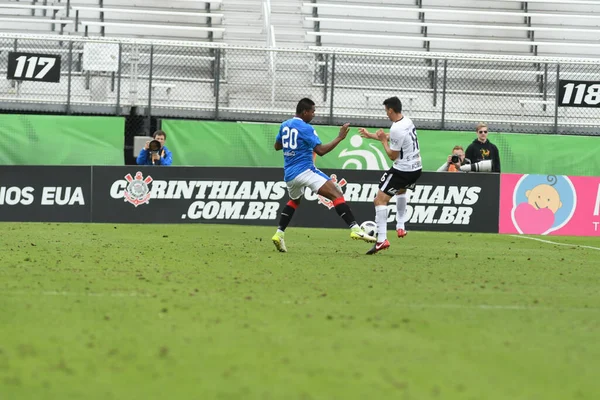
x: 455, y: 159
x: 154, y: 145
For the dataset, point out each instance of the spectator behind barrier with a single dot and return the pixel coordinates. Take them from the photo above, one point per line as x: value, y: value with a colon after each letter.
x: 483, y: 154
x: 155, y: 152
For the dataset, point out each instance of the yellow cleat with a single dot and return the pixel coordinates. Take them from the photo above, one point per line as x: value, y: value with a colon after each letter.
x: 358, y: 234
x: 279, y: 242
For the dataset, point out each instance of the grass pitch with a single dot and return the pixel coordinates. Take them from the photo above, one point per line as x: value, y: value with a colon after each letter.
x: 214, y: 312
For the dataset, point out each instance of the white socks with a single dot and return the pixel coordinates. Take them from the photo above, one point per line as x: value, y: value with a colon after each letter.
x: 381, y: 213
x: 401, y: 201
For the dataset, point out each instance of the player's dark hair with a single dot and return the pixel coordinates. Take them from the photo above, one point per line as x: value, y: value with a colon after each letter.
x: 394, y: 103
x: 305, y: 104
x: 159, y: 133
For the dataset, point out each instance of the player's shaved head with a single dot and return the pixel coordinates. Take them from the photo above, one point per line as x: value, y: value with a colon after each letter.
x: 305, y: 104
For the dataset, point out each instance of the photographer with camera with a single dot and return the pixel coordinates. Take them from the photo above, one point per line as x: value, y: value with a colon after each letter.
x: 455, y: 160
x: 155, y: 152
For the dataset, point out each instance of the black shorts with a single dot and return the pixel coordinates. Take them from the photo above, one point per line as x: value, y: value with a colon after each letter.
x: 393, y: 180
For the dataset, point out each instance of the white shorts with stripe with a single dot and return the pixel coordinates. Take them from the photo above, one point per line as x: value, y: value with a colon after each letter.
x: 309, y: 178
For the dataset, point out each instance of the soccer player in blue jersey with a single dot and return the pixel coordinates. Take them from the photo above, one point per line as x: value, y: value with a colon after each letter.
x: 299, y: 140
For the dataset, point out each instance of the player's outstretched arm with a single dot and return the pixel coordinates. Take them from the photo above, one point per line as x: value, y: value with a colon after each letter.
x: 368, y: 135
x: 322, y: 149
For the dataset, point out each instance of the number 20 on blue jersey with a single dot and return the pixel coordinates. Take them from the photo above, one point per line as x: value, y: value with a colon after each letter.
x: 289, y: 139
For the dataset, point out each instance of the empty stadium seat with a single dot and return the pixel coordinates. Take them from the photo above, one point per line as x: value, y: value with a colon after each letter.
x: 148, y: 19
x: 549, y: 28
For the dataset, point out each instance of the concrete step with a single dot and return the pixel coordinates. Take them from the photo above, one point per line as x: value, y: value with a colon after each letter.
x: 287, y: 7
x: 242, y: 5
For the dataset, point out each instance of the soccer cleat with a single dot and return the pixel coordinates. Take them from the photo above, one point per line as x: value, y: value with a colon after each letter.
x: 358, y: 234
x: 401, y: 233
x: 279, y: 242
x: 379, y: 246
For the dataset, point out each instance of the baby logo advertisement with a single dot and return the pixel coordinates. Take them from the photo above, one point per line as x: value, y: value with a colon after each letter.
x: 548, y: 205
x: 542, y: 204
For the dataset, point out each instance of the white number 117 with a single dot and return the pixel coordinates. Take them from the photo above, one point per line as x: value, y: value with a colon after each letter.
x: 33, y: 62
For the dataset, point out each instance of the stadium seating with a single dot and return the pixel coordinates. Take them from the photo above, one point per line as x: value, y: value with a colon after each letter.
x: 149, y: 19
x: 546, y: 28
x: 188, y: 20
x: 536, y: 27
x: 245, y: 22
x: 33, y: 17
x: 503, y: 27
x: 475, y: 83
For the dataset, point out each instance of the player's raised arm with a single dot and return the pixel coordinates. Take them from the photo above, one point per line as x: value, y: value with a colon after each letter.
x: 322, y: 149
x: 384, y: 139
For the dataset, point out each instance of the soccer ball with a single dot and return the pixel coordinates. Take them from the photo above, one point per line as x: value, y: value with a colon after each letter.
x: 369, y: 227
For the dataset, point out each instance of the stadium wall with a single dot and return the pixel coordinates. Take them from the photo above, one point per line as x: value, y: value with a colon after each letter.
x: 61, y: 140
x: 209, y: 143
x: 99, y: 140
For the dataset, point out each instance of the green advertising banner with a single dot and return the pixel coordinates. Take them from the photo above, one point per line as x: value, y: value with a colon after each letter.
x: 251, y: 145
x: 61, y: 140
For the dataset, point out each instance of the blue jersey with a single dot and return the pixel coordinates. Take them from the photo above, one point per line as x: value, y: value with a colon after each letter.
x: 298, y: 140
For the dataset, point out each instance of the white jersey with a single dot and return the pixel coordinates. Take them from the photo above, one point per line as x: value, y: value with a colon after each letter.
x: 403, y: 138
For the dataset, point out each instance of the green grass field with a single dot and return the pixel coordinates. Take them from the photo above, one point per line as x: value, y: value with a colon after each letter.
x: 102, y: 312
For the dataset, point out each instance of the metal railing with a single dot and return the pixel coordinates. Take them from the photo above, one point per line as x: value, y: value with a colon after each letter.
x: 221, y: 82
x: 271, y: 44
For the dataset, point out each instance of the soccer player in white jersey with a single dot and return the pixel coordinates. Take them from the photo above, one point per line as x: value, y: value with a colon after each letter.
x: 402, y: 147
x: 299, y: 141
